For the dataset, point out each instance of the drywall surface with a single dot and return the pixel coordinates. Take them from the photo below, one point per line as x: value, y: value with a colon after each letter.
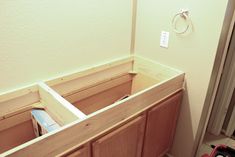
x: 193, y: 53
x: 42, y: 39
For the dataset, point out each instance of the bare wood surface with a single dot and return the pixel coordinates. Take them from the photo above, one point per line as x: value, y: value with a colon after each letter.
x: 17, y: 135
x: 153, y: 69
x: 18, y: 103
x: 18, y: 93
x: 98, y: 88
x: 141, y: 82
x: 72, y: 86
x: 57, y: 107
x: 103, y: 99
x: 92, y: 70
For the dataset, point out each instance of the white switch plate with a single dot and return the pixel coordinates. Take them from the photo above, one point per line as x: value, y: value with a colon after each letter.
x: 164, y: 39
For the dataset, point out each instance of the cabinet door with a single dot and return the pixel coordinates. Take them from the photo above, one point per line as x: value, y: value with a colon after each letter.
x: 82, y: 152
x: 125, y: 141
x: 160, y: 129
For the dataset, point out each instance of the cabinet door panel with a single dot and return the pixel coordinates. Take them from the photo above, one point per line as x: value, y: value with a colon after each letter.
x: 82, y: 152
x: 160, y: 129
x: 125, y: 141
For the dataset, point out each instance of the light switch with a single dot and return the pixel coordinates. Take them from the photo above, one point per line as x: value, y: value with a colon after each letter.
x: 164, y: 39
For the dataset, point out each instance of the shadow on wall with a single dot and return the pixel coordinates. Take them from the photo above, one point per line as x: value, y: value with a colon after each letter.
x: 184, y: 130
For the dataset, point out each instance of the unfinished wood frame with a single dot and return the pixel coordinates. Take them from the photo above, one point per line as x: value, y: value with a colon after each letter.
x: 145, y: 82
x: 16, y: 125
x: 125, y: 141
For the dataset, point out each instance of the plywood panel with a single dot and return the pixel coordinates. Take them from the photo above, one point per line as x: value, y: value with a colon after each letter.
x: 14, y: 136
x: 17, y: 103
x: 103, y: 99
x: 98, y: 88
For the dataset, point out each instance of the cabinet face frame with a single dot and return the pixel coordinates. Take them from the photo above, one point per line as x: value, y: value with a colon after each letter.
x: 170, y: 81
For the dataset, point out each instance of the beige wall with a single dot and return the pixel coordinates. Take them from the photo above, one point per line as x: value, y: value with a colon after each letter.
x: 194, y: 54
x: 40, y: 39
x: 44, y: 39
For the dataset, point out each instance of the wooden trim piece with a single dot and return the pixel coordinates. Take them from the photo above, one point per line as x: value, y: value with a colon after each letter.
x: 19, y: 103
x: 101, y: 121
x: 17, y: 117
x: 60, y: 109
x: 99, y: 87
x: 71, y: 87
x: 133, y: 30
x: 153, y: 69
x: 91, y: 70
x: 23, y: 109
x: 17, y: 93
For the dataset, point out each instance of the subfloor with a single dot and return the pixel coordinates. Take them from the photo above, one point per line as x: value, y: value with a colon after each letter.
x: 214, y: 140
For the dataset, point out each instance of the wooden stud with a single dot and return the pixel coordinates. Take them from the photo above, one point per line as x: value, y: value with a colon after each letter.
x: 60, y: 109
